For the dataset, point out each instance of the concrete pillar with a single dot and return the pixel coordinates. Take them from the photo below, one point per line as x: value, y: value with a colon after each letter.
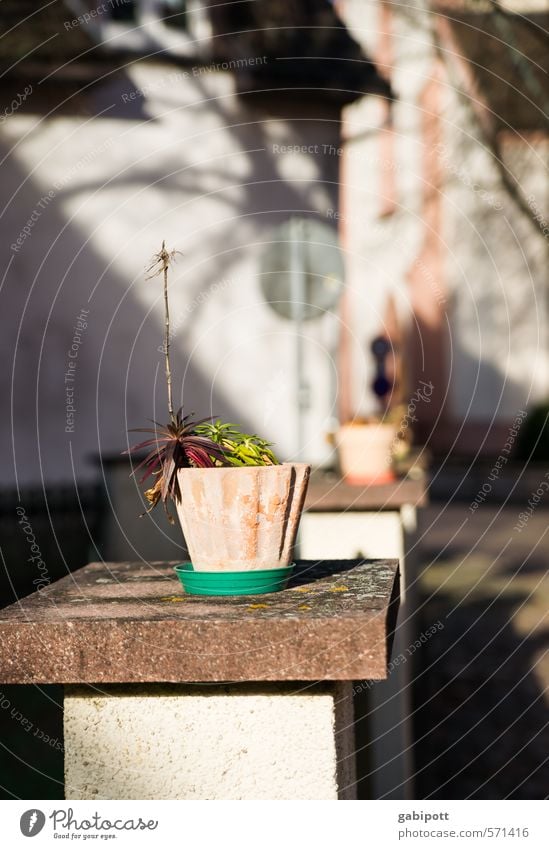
x: 384, y: 754
x: 238, y: 741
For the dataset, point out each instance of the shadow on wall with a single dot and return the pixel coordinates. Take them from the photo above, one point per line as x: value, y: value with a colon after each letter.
x: 68, y: 267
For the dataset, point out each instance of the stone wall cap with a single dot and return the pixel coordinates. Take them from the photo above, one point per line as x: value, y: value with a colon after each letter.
x: 331, y: 493
x: 132, y: 622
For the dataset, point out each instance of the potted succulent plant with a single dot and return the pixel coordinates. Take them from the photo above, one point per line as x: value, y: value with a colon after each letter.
x: 369, y: 447
x: 366, y: 450
x: 239, y: 508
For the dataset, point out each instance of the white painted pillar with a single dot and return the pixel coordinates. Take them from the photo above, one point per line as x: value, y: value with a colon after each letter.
x: 373, y: 534
x: 238, y: 741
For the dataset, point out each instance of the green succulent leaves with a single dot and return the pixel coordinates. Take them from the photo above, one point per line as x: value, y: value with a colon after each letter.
x: 240, y: 449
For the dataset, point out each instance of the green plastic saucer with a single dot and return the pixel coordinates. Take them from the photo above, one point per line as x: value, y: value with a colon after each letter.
x: 254, y: 582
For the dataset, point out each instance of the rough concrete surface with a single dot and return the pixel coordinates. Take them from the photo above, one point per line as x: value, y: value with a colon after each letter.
x: 292, y: 741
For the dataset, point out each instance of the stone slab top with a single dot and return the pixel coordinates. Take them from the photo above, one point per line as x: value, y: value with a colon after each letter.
x: 330, y: 493
x: 132, y: 622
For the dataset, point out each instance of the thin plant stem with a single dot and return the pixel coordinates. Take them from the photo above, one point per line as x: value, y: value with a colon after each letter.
x: 160, y: 265
x: 166, y: 262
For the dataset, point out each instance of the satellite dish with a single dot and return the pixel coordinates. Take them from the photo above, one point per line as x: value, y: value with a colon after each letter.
x: 302, y: 270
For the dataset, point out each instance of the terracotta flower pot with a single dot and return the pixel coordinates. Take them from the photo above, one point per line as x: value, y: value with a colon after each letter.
x: 365, y: 452
x: 242, y: 518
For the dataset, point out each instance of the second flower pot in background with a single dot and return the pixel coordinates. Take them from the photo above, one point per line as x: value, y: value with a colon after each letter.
x: 365, y: 451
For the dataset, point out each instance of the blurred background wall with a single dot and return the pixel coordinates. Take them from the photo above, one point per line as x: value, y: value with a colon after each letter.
x: 445, y: 202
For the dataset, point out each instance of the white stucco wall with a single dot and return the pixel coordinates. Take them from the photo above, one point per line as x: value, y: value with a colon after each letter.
x: 494, y: 280
x: 497, y: 276
x: 153, y: 156
x: 223, y: 742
